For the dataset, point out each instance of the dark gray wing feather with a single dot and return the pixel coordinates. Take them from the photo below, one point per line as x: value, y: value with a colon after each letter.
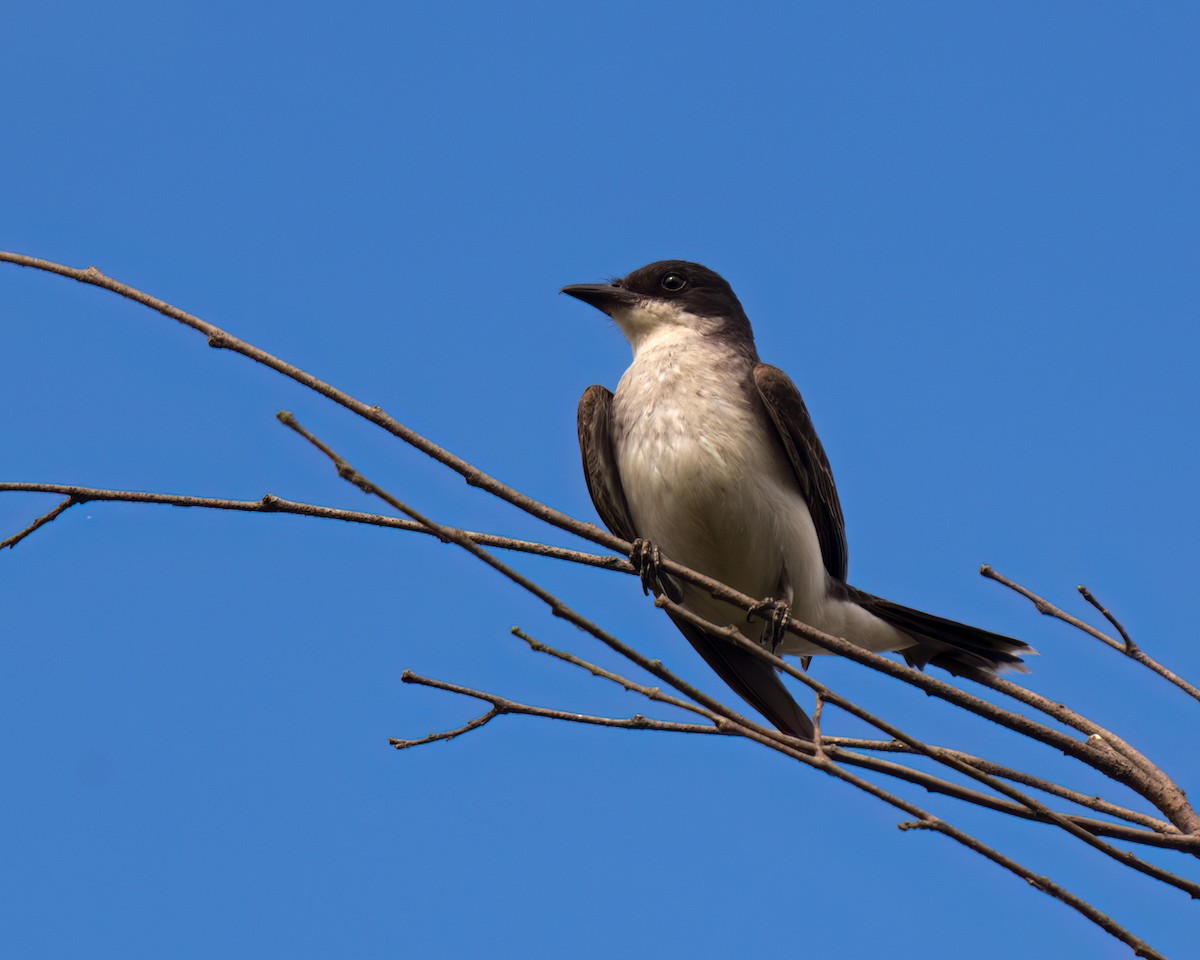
x: 956, y: 647
x: 809, y: 463
x: 600, y: 462
x: 752, y: 679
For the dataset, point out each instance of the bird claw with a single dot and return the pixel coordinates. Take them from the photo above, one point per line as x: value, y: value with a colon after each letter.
x: 776, y: 614
x: 646, y: 558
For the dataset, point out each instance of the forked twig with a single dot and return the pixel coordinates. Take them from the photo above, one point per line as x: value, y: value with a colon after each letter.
x: 1127, y: 647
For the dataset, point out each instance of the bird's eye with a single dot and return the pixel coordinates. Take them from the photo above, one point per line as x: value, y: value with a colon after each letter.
x: 672, y: 282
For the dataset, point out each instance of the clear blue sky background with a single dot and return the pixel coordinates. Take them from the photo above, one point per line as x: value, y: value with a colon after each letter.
x: 969, y: 231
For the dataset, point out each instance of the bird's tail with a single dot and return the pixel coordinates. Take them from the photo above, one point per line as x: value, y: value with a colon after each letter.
x: 953, y: 646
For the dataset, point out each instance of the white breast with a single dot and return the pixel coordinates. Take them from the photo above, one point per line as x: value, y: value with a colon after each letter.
x: 704, y: 475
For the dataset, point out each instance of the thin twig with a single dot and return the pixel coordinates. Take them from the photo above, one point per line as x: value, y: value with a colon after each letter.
x: 272, y: 504
x: 1175, y: 841
x: 650, y: 693
x: 223, y: 340
x: 1129, y: 648
x: 41, y: 521
x: 504, y: 705
x: 1019, y: 776
x: 448, y: 734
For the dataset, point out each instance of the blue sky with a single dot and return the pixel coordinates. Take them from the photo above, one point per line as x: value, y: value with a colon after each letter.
x: 968, y: 231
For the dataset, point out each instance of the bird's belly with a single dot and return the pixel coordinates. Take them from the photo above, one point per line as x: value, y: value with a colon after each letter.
x: 727, y: 505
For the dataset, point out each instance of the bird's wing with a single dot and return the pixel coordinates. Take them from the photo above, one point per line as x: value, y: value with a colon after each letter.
x: 600, y: 461
x: 809, y: 463
x: 754, y: 680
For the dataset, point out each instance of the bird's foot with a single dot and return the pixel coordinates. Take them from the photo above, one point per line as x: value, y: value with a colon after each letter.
x: 776, y: 614
x: 646, y: 558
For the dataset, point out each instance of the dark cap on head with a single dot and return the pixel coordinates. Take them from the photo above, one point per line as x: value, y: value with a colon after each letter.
x: 691, y: 287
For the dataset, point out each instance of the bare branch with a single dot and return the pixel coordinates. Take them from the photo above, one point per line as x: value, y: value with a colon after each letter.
x: 41, y: 521
x: 1129, y: 648
x: 1159, y: 834
x: 1101, y: 828
x: 1038, y: 783
x: 273, y: 504
x: 779, y: 741
x: 650, y: 693
x: 448, y: 734
x: 504, y: 705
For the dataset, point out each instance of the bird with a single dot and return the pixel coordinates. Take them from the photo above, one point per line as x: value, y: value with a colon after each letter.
x: 707, y: 455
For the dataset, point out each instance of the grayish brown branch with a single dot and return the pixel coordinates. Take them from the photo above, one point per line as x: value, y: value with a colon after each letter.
x: 1130, y: 647
x: 504, y: 705
x: 1019, y: 776
x: 650, y: 693
x: 41, y: 521
x: 272, y: 504
x: 1127, y: 647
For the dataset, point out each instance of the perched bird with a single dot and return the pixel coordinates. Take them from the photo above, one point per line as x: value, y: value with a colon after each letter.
x: 709, y: 454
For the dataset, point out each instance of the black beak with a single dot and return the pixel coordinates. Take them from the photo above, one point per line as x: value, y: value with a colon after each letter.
x: 603, y: 296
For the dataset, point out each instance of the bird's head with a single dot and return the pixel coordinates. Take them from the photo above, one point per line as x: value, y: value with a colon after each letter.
x: 669, y: 297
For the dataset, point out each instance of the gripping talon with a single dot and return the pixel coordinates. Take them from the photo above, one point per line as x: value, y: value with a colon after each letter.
x: 776, y: 613
x: 646, y: 558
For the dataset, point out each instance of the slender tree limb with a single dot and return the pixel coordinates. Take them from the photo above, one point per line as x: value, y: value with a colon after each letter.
x: 273, y: 504
x: 446, y: 735
x: 1038, y: 783
x: 41, y: 521
x: 504, y: 705
x: 1177, y: 842
x: 1128, y: 647
x: 650, y: 693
